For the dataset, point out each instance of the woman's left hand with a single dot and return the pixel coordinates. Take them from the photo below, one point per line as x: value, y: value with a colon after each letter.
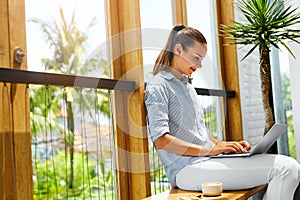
x: 234, y: 147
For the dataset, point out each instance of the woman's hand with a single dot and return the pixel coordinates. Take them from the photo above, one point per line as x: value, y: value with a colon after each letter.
x: 229, y: 147
x: 175, y: 145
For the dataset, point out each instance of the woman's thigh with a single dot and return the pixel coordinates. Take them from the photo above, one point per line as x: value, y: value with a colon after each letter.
x: 234, y: 173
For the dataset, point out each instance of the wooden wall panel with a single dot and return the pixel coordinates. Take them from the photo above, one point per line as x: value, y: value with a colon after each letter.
x: 179, y: 12
x: 230, y: 75
x: 126, y: 63
x: 16, y: 182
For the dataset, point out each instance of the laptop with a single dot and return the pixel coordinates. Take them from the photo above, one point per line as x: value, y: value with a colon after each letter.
x: 263, y: 145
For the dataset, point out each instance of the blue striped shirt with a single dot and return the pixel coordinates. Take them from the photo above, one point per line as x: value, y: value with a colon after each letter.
x: 173, y: 107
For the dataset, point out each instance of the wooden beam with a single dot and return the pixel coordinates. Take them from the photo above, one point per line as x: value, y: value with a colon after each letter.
x: 175, y: 194
x: 179, y: 12
x: 15, y: 140
x: 6, y: 183
x: 129, y: 110
x: 230, y: 75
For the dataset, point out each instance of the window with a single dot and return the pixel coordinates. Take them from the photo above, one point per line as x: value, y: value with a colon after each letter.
x: 156, y: 23
x: 207, y: 77
x: 89, y: 22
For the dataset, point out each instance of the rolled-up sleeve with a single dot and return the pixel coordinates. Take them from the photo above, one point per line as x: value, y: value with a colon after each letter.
x: 156, y: 101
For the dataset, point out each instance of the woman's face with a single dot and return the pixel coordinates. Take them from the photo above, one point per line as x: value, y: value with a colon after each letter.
x: 187, y: 62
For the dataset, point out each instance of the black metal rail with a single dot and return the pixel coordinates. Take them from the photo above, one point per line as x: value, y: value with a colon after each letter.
x: 29, y: 77
x: 42, y: 78
x: 213, y: 92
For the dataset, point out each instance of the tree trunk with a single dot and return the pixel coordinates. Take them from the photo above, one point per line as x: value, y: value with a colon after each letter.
x: 266, y: 87
x: 71, y: 129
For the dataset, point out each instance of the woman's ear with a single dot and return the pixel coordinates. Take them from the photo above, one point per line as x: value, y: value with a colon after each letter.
x: 178, y: 49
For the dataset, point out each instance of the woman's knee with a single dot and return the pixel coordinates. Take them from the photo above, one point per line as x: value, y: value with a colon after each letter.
x: 288, y: 166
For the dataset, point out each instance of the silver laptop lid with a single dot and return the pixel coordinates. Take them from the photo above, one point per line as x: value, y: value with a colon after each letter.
x: 269, y: 139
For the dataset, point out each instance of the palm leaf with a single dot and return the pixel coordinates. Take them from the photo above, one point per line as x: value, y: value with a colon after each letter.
x: 266, y: 23
x: 250, y: 51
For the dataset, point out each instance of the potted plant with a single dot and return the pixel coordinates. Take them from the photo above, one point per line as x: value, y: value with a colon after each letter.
x: 268, y: 23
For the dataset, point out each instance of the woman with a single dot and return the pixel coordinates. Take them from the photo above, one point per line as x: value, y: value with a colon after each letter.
x: 178, y: 132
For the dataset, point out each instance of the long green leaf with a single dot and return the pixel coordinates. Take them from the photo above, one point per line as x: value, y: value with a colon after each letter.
x: 267, y: 24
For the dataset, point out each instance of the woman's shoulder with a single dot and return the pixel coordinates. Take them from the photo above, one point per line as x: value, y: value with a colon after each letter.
x: 161, y: 78
x: 159, y: 83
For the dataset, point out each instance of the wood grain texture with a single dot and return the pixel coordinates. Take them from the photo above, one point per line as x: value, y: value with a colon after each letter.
x: 180, y: 12
x: 230, y: 74
x: 129, y: 110
x: 16, y: 181
x: 176, y: 194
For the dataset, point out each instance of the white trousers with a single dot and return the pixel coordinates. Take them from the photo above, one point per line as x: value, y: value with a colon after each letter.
x: 281, y: 172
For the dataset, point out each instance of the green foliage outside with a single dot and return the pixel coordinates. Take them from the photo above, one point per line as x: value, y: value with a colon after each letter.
x: 51, y: 157
x: 57, y: 112
x: 287, y: 103
x: 51, y: 178
x: 210, y: 118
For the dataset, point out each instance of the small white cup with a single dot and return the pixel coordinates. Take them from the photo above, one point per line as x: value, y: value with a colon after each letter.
x: 212, y: 188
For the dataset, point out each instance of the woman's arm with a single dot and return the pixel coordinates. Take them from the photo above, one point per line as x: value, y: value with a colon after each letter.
x: 240, y: 146
x: 175, y: 145
x: 213, y: 139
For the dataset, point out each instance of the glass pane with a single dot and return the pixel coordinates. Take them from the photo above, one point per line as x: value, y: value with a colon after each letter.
x: 208, y: 76
x: 80, y: 50
x: 204, y: 21
x: 72, y: 139
x: 156, y: 23
x: 287, y: 107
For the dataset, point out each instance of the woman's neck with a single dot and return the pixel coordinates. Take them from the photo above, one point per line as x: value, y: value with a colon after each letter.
x: 177, y: 74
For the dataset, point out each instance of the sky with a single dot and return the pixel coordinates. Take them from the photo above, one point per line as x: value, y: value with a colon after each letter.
x: 155, y: 14
x: 48, y: 10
